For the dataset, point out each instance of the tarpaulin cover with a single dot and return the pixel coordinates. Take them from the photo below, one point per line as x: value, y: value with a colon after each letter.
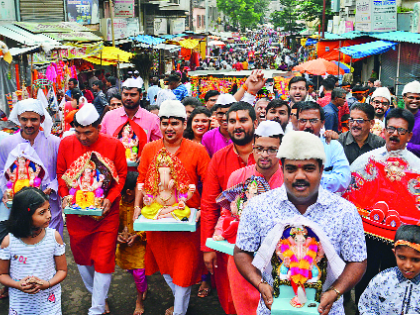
x: 188, y: 43
x: 110, y: 56
x: 368, y: 49
x: 329, y: 49
x: 148, y: 40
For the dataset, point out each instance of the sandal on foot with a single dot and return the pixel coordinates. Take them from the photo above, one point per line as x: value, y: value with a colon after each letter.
x: 204, y: 292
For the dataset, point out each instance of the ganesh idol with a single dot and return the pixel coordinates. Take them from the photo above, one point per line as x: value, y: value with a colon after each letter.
x: 166, y: 189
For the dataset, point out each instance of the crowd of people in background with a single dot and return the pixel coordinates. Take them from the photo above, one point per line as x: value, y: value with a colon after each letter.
x: 305, y: 147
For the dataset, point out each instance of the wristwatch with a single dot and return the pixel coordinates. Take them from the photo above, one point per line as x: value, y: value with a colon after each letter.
x: 339, y: 294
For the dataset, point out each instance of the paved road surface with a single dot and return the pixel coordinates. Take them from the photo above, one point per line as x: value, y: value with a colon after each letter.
x: 122, y: 295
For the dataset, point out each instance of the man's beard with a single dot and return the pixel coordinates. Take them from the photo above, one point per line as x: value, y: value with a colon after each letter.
x: 131, y: 105
x: 249, y: 136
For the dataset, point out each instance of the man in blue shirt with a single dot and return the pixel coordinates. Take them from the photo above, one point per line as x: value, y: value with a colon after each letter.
x: 336, y: 175
x: 73, y: 84
x: 338, y: 98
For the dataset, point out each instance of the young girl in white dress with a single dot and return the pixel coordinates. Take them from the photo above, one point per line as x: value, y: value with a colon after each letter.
x: 32, y: 260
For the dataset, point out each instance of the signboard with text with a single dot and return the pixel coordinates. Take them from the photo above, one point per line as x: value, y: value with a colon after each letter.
x: 124, y: 8
x: 7, y: 10
x: 376, y: 15
x: 123, y: 28
x: 83, y: 11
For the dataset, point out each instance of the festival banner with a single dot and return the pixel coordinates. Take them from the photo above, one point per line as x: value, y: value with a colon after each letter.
x: 77, y: 51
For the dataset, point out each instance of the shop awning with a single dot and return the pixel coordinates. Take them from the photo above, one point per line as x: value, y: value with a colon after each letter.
x: 75, y: 37
x: 189, y: 43
x: 24, y: 37
x: 168, y: 47
x: 148, y: 40
x: 368, y: 49
x: 406, y: 37
x: 110, y: 56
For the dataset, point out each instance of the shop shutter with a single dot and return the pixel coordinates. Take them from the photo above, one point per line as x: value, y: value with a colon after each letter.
x: 42, y: 10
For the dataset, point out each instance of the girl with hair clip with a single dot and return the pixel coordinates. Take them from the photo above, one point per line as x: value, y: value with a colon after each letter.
x: 32, y: 256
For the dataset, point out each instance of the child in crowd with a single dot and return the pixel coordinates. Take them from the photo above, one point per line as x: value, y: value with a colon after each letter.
x: 32, y: 259
x: 131, y: 246
x: 397, y: 290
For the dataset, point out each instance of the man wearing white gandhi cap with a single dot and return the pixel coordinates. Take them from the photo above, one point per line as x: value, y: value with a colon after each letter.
x: 180, y: 274
x: 93, y: 241
x: 30, y: 115
x: 301, y: 197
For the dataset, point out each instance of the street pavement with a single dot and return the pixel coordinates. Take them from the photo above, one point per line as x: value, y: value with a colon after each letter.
x: 122, y: 296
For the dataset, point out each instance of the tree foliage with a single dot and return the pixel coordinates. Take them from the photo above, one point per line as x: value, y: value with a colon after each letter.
x: 287, y: 18
x: 243, y: 13
x: 300, y: 10
x: 310, y: 10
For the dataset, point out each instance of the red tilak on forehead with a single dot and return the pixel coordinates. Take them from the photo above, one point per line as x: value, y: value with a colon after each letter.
x: 237, y: 116
x: 299, y: 166
x: 169, y: 121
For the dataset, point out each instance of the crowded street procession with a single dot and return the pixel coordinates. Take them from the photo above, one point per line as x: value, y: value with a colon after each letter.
x: 209, y: 157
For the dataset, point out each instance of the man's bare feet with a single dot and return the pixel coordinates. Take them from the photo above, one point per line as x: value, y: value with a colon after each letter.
x: 139, y: 305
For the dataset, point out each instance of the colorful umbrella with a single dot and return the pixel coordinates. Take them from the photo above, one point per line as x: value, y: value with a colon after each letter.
x: 318, y: 66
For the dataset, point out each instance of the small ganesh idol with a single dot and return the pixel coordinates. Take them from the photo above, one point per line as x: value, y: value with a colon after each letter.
x: 167, y: 189
x: 23, y: 168
x: 89, y: 178
x: 233, y: 201
x: 133, y: 137
x: 298, y: 262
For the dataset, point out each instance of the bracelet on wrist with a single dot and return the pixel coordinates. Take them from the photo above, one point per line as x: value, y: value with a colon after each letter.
x: 136, y: 207
x: 339, y: 294
x: 245, y: 87
x: 262, y: 281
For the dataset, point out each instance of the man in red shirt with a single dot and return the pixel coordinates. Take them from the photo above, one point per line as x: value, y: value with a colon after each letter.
x: 242, y: 122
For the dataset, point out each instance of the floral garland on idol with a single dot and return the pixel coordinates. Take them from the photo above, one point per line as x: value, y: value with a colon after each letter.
x: 201, y: 85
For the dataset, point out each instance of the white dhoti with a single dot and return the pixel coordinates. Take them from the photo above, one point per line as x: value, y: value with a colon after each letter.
x: 182, y: 296
x: 98, y: 285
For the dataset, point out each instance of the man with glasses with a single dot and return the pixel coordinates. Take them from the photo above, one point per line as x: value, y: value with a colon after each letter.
x: 267, y: 140
x: 210, y: 98
x: 381, y: 176
x: 336, y: 174
x: 218, y: 138
x: 411, y: 97
x: 359, y: 139
x: 338, y: 99
x: 241, y: 124
x: 380, y: 100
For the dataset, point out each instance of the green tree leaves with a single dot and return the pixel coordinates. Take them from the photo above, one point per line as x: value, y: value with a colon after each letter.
x: 243, y: 13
